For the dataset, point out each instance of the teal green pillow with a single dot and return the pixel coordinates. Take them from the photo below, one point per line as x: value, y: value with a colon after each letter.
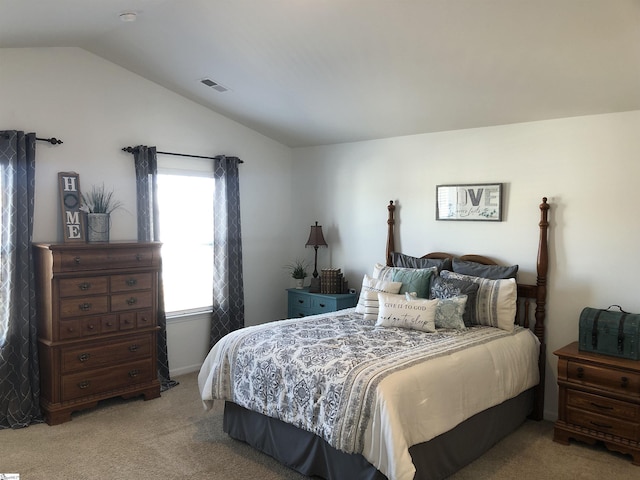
x: 414, y: 280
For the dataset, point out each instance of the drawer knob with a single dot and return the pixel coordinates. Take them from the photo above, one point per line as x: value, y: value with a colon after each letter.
x: 132, y: 301
x: 84, y: 286
x: 84, y: 306
x: 77, y: 260
x: 83, y: 357
x: 138, y: 256
x: 300, y: 301
x: 133, y: 348
x: 83, y: 385
x: 131, y: 282
x: 91, y: 327
x: 624, y: 382
x: 580, y: 372
x: 322, y: 305
x: 109, y: 324
x: 134, y: 373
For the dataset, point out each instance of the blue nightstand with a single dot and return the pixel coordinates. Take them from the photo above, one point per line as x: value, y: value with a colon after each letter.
x: 303, y: 303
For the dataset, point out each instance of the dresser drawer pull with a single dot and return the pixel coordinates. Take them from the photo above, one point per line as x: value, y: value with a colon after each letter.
x: 90, y: 327
x: 83, y: 385
x: 580, y: 372
x: 109, y: 324
x: 132, y: 301
x: 300, y: 301
x: 84, y: 306
x: 602, y: 407
x: 138, y: 257
x: 322, y: 305
x: 624, y: 382
x: 134, y: 347
x: 77, y: 260
x: 134, y: 373
x: 83, y: 357
x: 84, y: 286
x: 131, y: 282
x: 600, y: 425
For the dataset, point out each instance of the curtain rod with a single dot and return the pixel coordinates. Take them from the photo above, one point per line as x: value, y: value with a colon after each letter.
x: 132, y: 149
x: 52, y: 140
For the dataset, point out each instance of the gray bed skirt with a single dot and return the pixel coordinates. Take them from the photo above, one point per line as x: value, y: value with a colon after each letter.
x: 437, y: 459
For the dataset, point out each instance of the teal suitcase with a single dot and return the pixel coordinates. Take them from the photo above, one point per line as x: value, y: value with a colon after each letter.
x: 610, y: 332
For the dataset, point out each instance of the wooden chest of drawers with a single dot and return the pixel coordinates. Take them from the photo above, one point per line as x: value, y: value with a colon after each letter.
x: 97, y: 309
x: 599, y: 400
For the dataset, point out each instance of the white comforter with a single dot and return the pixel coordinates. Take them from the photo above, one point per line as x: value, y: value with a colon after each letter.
x: 338, y: 376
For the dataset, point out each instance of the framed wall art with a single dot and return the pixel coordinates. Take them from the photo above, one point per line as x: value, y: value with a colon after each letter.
x: 479, y: 202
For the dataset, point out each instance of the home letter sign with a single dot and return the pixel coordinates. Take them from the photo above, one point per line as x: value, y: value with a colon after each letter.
x: 72, y: 218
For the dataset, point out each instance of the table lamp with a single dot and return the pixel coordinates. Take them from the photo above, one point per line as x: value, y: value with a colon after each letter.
x: 316, y: 239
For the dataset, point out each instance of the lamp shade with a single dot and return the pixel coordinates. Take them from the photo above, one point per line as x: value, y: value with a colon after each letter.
x: 316, y: 239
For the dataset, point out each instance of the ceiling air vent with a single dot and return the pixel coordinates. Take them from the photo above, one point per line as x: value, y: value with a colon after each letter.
x: 216, y: 86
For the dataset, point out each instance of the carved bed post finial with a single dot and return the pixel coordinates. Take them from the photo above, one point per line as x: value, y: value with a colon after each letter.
x: 390, y: 235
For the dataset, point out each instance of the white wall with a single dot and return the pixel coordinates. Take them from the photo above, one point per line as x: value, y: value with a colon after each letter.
x: 97, y: 108
x: 587, y: 166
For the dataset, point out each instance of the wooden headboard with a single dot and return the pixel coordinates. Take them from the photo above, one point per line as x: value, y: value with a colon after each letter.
x: 530, y: 297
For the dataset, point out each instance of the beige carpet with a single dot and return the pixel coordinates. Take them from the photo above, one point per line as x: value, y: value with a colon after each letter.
x: 172, y: 437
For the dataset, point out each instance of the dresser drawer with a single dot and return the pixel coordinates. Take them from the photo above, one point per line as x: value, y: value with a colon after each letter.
x: 97, y: 355
x: 603, y: 405
x: 130, y: 257
x: 83, y: 306
x: 85, y: 327
x: 73, y: 287
x: 84, y: 384
x: 323, y: 305
x: 618, y: 381
x: 603, y: 423
x: 78, y: 260
x: 125, y: 283
x: 131, y: 301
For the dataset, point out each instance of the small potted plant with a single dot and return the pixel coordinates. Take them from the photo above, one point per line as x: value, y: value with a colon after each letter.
x: 98, y: 205
x: 298, y: 270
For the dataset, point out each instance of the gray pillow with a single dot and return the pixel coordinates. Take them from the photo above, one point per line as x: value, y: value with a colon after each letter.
x: 450, y: 287
x: 492, y: 272
x: 407, y: 261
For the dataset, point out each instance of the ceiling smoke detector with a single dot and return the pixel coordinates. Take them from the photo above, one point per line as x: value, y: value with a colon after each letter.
x: 128, y: 16
x: 216, y: 86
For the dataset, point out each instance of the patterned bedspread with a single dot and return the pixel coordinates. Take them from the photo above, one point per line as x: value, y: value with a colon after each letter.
x: 321, y: 373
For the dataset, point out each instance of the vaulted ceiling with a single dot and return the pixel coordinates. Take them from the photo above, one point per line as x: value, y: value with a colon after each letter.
x: 312, y: 72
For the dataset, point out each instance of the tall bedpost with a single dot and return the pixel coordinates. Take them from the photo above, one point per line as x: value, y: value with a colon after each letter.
x: 541, y: 298
x: 390, y: 235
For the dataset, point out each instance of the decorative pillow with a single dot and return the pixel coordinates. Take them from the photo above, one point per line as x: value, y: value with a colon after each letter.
x: 449, y: 312
x: 452, y: 287
x: 405, y: 311
x: 407, y: 261
x: 493, y: 272
x: 495, y: 302
x: 413, y: 279
x: 368, y: 301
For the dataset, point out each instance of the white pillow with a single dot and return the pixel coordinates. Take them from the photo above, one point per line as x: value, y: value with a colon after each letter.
x: 496, y: 300
x: 368, y: 301
x: 407, y: 311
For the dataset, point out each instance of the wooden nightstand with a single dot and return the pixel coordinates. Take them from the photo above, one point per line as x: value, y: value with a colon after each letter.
x: 303, y: 303
x: 599, y: 400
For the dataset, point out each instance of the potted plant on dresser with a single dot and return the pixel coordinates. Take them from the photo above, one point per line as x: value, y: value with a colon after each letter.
x: 98, y: 205
x: 298, y: 270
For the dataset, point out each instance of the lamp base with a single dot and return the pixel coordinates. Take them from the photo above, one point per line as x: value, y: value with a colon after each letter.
x: 314, y: 287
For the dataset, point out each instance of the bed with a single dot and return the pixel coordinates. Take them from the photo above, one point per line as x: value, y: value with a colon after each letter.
x: 372, y: 392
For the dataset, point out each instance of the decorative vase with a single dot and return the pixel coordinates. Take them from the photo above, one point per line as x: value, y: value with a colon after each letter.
x: 98, y: 227
x: 299, y: 282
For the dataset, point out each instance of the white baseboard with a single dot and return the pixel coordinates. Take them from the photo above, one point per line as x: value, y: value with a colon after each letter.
x: 184, y: 370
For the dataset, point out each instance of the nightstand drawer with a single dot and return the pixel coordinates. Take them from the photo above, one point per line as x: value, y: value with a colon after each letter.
x: 323, y: 304
x: 299, y: 300
x: 603, y: 423
x: 627, y: 383
x: 603, y: 405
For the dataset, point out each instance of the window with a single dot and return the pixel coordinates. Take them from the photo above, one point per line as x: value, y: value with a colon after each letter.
x: 185, y: 205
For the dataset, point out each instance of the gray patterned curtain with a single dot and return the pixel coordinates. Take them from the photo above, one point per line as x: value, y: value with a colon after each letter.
x: 19, y: 377
x: 228, y: 289
x: 146, y: 166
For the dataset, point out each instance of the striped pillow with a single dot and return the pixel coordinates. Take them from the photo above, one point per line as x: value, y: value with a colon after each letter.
x: 368, y: 301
